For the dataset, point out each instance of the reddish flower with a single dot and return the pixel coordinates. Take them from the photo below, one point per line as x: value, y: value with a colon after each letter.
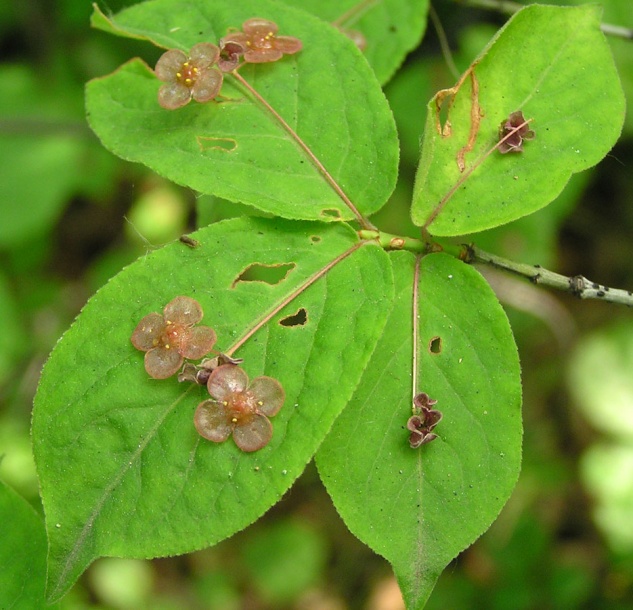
x: 188, y: 77
x: 230, y: 53
x: 515, y: 142
x: 423, y: 420
x: 238, y: 408
x: 172, y: 337
x: 261, y: 43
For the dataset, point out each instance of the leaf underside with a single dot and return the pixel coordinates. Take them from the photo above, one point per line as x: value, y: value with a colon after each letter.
x: 420, y: 507
x: 122, y: 470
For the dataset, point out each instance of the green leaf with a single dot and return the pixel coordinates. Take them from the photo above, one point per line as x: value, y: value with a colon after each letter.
x: 562, y: 77
x: 22, y: 553
x: 390, y: 28
x: 420, y: 507
x: 40, y: 153
x: 237, y: 149
x: 122, y: 469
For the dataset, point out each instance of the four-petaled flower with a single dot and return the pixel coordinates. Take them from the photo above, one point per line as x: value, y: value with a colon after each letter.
x: 230, y: 53
x: 172, y: 337
x: 188, y: 77
x: 239, y: 408
x: 514, y: 143
x: 261, y: 43
x: 423, y: 420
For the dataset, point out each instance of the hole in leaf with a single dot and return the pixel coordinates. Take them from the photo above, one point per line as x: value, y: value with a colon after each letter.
x: 331, y: 213
x: 222, y: 144
x: 268, y: 274
x: 296, y: 319
x: 435, y: 345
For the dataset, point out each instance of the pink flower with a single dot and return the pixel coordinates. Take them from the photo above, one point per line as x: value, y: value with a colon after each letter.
x: 172, y: 337
x: 188, y: 77
x: 515, y: 142
x: 261, y: 43
x: 423, y: 420
x: 238, y: 408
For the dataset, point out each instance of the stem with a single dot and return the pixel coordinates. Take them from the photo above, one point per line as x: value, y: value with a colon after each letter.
x: 509, y: 8
x: 364, y: 222
x: 416, y: 329
x: 354, y: 13
x: 293, y: 295
x: 577, y: 285
x: 387, y: 241
x: 443, y: 40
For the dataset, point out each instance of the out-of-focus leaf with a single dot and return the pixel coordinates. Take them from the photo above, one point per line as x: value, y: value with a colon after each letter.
x: 389, y: 28
x: 22, y: 554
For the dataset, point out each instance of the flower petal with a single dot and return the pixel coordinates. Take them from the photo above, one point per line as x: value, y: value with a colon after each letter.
x: 197, y: 342
x: 161, y: 362
x: 168, y: 64
x: 207, y: 86
x: 288, y: 44
x: 259, y: 27
x: 226, y: 380
x: 212, y: 421
x: 262, y: 56
x: 269, y: 394
x: 204, y: 54
x: 174, y: 95
x: 183, y: 310
x: 254, y: 434
x: 147, y: 333
x: 432, y: 418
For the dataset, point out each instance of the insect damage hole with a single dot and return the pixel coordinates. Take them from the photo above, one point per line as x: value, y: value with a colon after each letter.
x: 227, y: 145
x: 435, y: 345
x: 267, y: 274
x: 299, y: 318
x: 331, y: 213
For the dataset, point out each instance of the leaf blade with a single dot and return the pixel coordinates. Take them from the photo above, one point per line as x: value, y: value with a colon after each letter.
x: 419, y: 508
x: 122, y: 470
x: 236, y: 149
x: 568, y: 86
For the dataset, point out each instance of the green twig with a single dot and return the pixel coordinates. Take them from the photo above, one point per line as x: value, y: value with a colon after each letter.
x: 578, y: 285
x: 509, y: 8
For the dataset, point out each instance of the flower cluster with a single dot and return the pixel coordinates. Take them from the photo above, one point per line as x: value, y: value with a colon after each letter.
x: 171, y: 337
x: 199, y: 74
x: 260, y: 42
x: 423, y: 420
x: 514, y: 143
x: 238, y: 408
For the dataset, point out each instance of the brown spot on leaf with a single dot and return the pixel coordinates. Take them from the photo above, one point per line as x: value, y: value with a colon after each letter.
x: 475, y: 119
x: 227, y: 145
x: 445, y: 129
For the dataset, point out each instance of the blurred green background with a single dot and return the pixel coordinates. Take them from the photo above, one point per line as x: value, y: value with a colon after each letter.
x: 72, y: 215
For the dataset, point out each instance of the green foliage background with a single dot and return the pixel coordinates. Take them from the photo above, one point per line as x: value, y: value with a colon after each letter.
x: 562, y: 541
